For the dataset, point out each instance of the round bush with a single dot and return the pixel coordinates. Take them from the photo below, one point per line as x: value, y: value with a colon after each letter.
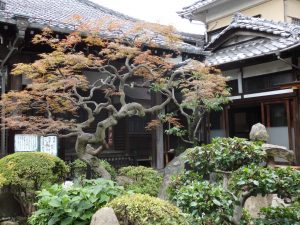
x: 146, y: 180
x: 24, y: 173
x: 146, y: 210
x: 32, y: 170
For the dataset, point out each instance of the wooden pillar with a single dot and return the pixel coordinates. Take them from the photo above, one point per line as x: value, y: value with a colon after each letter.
x: 296, y: 75
x: 297, y: 127
x: 157, y: 137
x: 262, y: 108
x: 160, y: 147
x: 226, y: 121
x: 3, y: 150
x: 288, y: 113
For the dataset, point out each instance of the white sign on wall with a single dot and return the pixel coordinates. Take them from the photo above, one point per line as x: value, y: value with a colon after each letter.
x: 35, y: 143
x: 26, y: 143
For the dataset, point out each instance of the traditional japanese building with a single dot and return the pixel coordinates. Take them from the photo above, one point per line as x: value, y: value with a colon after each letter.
x: 260, y: 51
x: 21, y: 20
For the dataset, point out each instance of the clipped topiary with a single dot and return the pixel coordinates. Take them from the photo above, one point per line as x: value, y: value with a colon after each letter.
x: 24, y: 173
x: 146, y: 210
x: 145, y: 180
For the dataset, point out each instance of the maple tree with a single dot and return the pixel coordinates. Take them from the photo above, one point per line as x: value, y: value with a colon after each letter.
x: 59, y: 90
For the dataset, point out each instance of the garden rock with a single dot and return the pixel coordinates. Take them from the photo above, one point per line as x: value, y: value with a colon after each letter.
x: 9, y: 223
x: 255, y: 203
x: 105, y: 216
x: 259, y: 133
x: 282, y: 152
x: 174, y: 167
x: 124, y: 180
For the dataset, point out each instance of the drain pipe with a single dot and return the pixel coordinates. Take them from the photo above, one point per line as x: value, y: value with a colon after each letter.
x: 287, y: 62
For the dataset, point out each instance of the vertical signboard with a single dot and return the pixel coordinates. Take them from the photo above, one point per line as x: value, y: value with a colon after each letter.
x: 49, y: 145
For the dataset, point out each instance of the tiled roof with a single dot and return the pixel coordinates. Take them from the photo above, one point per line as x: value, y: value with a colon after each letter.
x: 189, y: 10
x: 59, y: 14
x: 275, y: 37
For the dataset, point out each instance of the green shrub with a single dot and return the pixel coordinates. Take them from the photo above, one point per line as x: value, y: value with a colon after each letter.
x: 24, y: 173
x: 204, y: 201
x: 74, y: 205
x: 184, y: 178
x: 146, y: 210
x: 285, y: 182
x: 289, y: 215
x: 226, y: 154
x: 146, y: 180
x: 80, y: 169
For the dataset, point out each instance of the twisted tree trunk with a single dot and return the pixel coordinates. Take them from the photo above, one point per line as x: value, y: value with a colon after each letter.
x: 82, y: 146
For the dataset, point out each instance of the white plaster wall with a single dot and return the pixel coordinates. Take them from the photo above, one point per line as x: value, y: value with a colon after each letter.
x: 230, y: 7
x: 266, y: 68
x: 217, y: 133
x: 279, y: 136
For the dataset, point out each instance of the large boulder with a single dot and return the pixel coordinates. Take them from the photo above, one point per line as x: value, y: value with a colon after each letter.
x: 277, y: 151
x: 174, y: 167
x: 105, y: 216
x: 255, y: 203
x: 259, y: 133
x: 124, y: 180
x: 9, y: 223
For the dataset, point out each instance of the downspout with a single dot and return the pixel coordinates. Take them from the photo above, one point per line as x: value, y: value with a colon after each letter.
x: 285, y: 61
x: 22, y: 24
x: 285, y: 7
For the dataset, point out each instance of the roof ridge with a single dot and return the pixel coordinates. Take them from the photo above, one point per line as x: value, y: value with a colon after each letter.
x: 240, y: 20
x: 188, y: 10
x: 238, y: 17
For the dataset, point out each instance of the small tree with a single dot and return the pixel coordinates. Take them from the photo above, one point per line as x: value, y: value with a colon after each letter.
x: 59, y: 89
x: 24, y: 173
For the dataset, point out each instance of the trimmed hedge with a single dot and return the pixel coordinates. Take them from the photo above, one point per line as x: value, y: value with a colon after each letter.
x: 146, y: 210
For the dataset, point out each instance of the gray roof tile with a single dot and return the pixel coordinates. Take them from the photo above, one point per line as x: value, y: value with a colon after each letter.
x: 187, y: 12
x: 276, y: 37
x: 59, y: 14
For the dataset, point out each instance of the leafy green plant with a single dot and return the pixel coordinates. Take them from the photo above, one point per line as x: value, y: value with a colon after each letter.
x: 183, y: 179
x: 253, y: 179
x: 74, y: 205
x: 289, y: 215
x: 146, y: 210
x: 24, y: 173
x: 226, y: 154
x: 146, y: 180
x: 79, y: 169
x: 202, y: 199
